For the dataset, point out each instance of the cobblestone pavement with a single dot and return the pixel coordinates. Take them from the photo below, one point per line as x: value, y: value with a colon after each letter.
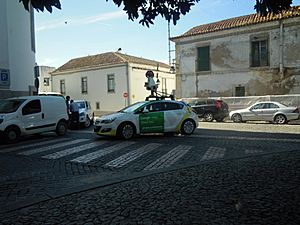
x: 36, y: 174
x: 254, y: 190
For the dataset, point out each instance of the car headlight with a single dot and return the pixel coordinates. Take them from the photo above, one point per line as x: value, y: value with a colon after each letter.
x: 107, y: 121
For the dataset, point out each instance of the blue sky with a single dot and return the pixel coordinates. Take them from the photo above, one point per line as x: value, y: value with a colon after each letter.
x: 88, y: 27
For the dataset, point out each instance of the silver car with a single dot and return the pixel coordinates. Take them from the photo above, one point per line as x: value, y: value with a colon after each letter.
x: 266, y: 111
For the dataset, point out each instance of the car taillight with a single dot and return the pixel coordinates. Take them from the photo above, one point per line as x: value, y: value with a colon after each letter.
x: 296, y: 110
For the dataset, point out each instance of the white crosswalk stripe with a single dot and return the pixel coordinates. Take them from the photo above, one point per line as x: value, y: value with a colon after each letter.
x: 51, y: 147
x: 102, y: 152
x: 169, y: 158
x: 213, y: 153
x: 33, y: 145
x: 131, y: 156
x: 76, y: 149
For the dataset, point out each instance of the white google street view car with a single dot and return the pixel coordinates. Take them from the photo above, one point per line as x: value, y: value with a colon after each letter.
x: 266, y: 111
x: 160, y: 116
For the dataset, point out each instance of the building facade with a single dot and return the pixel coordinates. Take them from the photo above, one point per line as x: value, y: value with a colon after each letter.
x: 245, y: 56
x: 110, y: 81
x: 17, y: 47
x: 45, y: 80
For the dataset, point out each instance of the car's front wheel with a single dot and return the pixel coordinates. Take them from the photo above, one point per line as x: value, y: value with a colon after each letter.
x: 126, y: 131
x: 280, y: 119
x: 87, y: 122
x: 237, y: 118
x: 188, y: 127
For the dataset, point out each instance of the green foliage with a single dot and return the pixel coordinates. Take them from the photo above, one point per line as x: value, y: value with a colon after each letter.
x: 171, y: 10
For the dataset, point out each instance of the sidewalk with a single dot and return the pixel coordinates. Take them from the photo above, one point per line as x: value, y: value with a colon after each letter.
x: 255, y: 190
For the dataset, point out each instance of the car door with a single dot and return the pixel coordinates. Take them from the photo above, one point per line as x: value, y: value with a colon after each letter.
x: 151, y: 118
x: 174, y: 113
x: 255, y: 112
x: 32, y: 117
x: 269, y: 110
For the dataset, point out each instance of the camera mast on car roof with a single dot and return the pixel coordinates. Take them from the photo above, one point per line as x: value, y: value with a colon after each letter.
x: 152, y: 86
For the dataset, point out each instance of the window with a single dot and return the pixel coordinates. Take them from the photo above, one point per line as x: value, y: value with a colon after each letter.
x: 239, y: 91
x: 173, y: 106
x: 110, y: 83
x: 62, y: 86
x: 203, y: 63
x: 83, y: 85
x: 46, y: 81
x: 155, y: 107
x: 164, y: 86
x: 97, y: 105
x: 259, y: 53
x: 32, y: 107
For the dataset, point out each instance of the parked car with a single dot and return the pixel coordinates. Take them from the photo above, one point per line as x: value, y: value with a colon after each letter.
x: 210, y: 109
x: 32, y: 115
x: 159, y: 116
x: 266, y: 111
x: 86, y: 115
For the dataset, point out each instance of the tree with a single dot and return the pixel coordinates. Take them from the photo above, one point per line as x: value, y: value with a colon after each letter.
x: 171, y: 10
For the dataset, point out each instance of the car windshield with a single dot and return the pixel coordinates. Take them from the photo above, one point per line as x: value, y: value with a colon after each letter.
x: 81, y: 105
x: 132, y: 108
x: 10, y: 105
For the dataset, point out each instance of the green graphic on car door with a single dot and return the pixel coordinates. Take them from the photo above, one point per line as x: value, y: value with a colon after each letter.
x: 151, y: 122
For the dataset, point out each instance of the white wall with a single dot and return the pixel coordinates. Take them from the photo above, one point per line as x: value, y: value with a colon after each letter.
x: 138, y: 79
x: 97, y: 87
x: 15, y: 43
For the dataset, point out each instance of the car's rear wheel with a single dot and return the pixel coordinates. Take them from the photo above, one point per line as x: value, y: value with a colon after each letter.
x: 188, y: 127
x: 126, y: 131
x: 280, y: 119
x: 208, y: 116
x: 237, y: 118
x: 61, y: 128
x: 11, y: 134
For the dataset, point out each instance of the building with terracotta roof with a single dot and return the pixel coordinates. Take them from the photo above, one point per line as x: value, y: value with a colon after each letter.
x: 110, y: 81
x: 242, y: 56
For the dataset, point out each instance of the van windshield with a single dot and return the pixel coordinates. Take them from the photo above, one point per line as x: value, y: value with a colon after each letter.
x: 10, y: 105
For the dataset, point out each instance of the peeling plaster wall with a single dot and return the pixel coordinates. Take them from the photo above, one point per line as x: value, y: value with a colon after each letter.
x: 230, y: 62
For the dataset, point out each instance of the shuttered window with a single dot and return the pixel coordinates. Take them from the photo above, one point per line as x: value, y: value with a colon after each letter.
x: 203, y: 62
x: 260, y: 55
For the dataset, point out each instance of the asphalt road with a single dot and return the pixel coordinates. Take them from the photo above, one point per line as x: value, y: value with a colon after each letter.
x: 225, y: 173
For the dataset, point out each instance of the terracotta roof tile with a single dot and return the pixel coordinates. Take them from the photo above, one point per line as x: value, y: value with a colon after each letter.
x: 240, y: 22
x: 105, y: 59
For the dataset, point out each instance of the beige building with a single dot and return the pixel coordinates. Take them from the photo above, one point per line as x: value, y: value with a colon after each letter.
x: 110, y: 81
x: 243, y: 56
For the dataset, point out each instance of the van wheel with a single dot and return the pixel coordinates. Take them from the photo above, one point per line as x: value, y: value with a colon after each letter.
x: 12, y: 135
x: 87, y: 122
x: 208, y: 117
x: 188, y: 127
x: 126, y: 131
x: 61, y: 128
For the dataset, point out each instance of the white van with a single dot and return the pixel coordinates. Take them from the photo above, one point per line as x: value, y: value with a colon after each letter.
x: 28, y: 115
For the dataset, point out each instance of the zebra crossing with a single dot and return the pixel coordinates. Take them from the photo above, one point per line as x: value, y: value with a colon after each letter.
x: 117, y: 154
